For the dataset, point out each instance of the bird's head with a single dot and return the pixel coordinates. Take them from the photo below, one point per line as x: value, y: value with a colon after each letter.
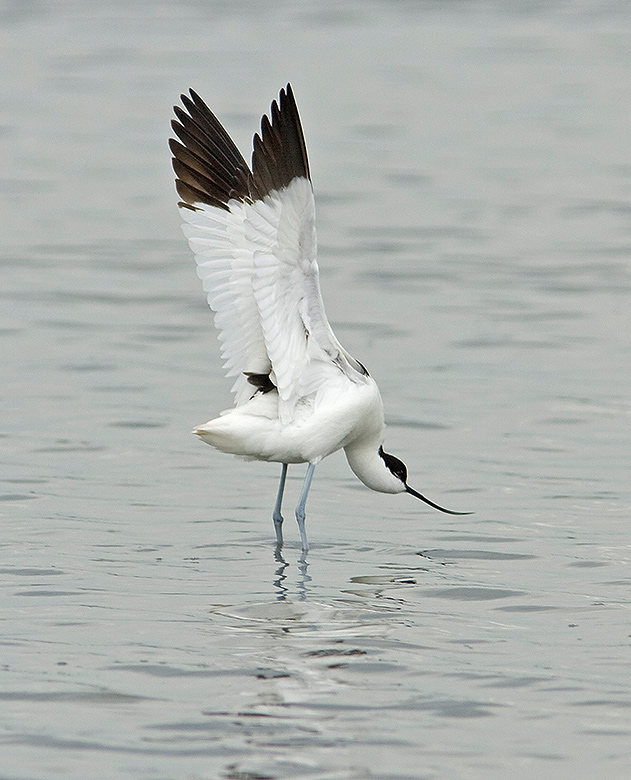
x: 398, y: 469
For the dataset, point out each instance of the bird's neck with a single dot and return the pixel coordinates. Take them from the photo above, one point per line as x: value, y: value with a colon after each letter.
x: 368, y: 465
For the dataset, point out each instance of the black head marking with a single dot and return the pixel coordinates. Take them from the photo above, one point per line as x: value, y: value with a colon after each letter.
x: 396, y: 466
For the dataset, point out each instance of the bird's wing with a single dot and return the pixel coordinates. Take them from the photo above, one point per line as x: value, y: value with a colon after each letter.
x: 253, y: 234
x: 213, y: 181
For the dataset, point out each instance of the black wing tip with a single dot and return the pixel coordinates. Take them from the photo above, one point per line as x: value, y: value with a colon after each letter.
x: 209, y: 168
x: 280, y: 152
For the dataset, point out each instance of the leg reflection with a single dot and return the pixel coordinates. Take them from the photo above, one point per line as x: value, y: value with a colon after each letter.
x: 280, y: 578
x: 280, y: 575
x: 301, y: 584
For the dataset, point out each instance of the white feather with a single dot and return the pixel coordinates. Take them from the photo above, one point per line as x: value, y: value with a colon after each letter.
x: 226, y: 267
x: 257, y: 263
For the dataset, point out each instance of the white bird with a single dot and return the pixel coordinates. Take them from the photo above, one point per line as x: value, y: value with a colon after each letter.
x: 299, y: 394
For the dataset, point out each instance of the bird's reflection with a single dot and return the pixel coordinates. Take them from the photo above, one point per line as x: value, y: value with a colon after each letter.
x: 280, y: 575
x: 280, y: 581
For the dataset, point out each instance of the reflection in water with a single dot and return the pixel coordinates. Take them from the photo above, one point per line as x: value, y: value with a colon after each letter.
x: 280, y: 575
x: 301, y: 582
x: 303, y: 579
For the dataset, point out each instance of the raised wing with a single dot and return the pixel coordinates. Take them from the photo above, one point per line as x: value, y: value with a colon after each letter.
x: 214, y: 183
x: 253, y: 235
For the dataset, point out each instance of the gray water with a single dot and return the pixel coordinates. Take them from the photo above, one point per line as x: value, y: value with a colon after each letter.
x: 472, y: 168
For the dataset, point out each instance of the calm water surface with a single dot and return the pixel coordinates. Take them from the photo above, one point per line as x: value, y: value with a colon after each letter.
x: 473, y: 177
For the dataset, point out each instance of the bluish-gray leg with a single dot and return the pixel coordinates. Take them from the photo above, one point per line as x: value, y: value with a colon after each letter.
x: 276, y: 515
x: 300, y: 509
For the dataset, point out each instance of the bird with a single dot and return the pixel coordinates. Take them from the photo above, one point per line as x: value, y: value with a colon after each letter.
x: 299, y: 395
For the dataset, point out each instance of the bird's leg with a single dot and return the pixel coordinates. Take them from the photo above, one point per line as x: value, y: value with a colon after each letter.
x: 300, y: 509
x: 276, y: 515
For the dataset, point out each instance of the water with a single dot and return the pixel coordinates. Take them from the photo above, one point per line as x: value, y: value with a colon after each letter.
x: 473, y: 179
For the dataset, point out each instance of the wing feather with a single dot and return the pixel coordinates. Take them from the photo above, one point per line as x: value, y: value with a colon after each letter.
x: 225, y: 266
x: 253, y: 236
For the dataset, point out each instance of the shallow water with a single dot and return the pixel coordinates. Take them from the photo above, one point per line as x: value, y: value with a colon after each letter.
x: 473, y: 179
